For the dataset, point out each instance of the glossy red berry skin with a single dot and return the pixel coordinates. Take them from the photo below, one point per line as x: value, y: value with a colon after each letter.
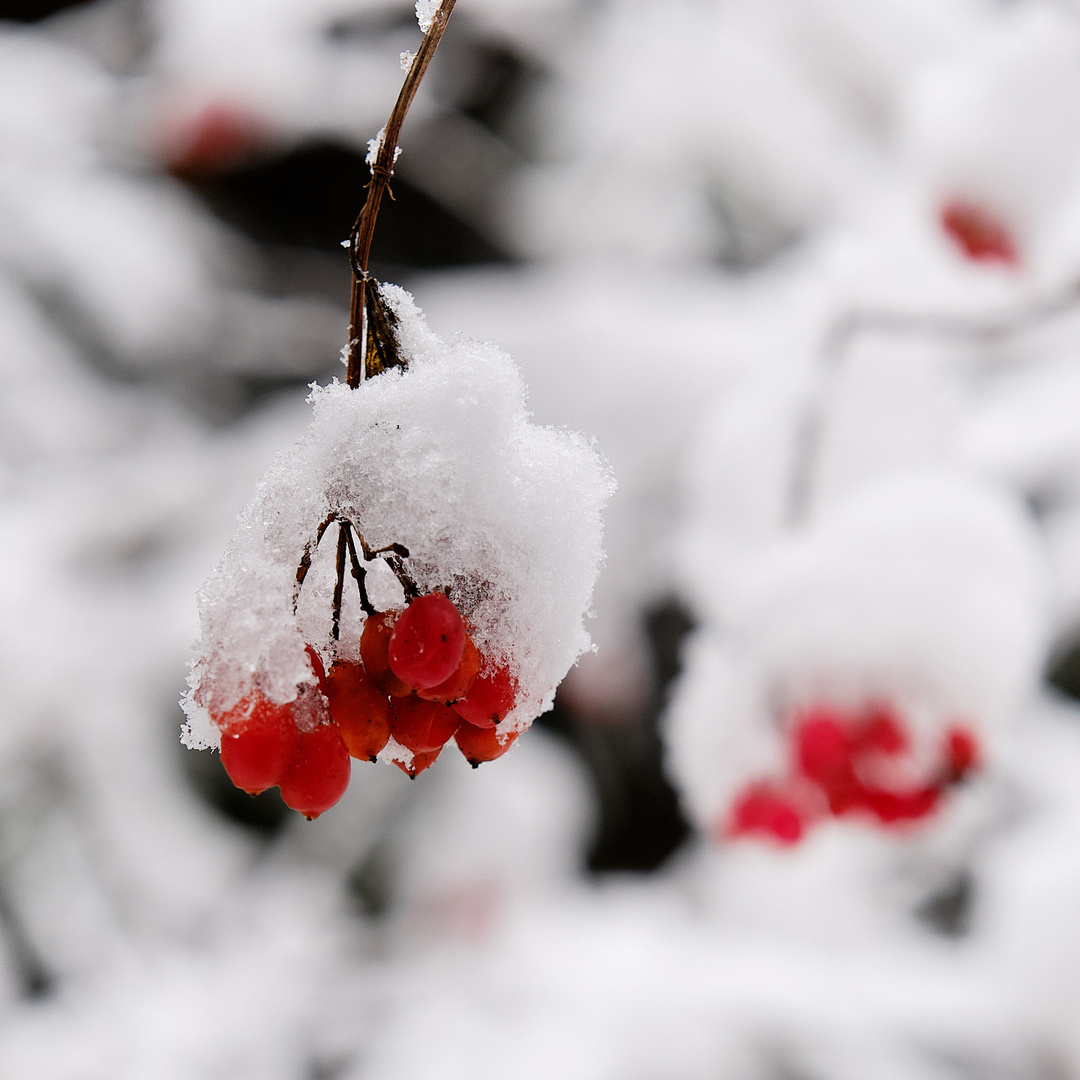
x: 490, y: 698
x: 257, y: 745
x: 318, y: 772
x: 428, y: 641
x: 761, y: 810
x: 421, y: 726
x: 978, y: 233
x: 480, y: 744
x: 359, y: 708
x: 374, y: 646
x: 421, y: 760
x: 460, y: 682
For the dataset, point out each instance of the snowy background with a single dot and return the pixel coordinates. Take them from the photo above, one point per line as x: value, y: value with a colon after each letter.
x: 809, y: 271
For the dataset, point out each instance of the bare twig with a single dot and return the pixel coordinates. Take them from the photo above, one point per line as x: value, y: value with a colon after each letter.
x: 360, y: 365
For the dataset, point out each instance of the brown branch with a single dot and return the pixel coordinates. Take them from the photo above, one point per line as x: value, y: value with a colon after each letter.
x: 381, y: 171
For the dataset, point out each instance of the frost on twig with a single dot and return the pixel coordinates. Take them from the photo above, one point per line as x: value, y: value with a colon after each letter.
x: 425, y: 13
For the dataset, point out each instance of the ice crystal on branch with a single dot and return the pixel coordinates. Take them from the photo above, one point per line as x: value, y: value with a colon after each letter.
x: 425, y: 13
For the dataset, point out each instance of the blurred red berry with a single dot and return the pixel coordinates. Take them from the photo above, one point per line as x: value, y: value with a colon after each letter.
x: 359, y: 708
x: 216, y: 139
x: 427, y: 643
x: 880, y: 729
x: 961, y: 753
x: 978, y: 233
x: 374, y: 646
x: 762, y: 810
x: 895, y: 807
x: 489, y: 699
x: 318, y: 772
x: 824, y: 754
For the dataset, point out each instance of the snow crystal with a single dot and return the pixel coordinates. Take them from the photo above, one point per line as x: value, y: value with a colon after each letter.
x: 375, y: 145
x: 425, y: 13
x: 441, y: 458
x: 406, y: 58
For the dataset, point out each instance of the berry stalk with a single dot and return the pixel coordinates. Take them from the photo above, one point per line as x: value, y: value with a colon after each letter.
x: 361, y: 363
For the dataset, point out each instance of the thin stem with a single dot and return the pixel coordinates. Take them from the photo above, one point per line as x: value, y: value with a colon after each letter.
x: 358, y: 572
x: 305, y: 558
x: 339, y: 581
x: 381, y: 171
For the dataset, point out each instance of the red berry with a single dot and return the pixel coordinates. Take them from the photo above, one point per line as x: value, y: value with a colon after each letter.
x: 318, y: 772
x: 961, y: 753
x: 359, y: 708
x: 421, y: 760
x: 489, y: 699
x: 457, y: 686
x: 218, y: 137
x: 482, y: 744
x: 421, y: 725
x: 428, y: 641
x: 978, y: 234
x: 256, y: 746
x: 761, y: 810
x: 374, y: 643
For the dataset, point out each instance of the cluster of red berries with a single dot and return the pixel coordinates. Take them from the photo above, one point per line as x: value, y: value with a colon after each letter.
x: 849, y: 763
x: 978, y: 233
x: 419, y: 679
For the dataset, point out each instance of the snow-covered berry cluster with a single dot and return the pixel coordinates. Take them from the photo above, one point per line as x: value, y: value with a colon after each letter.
x: 473, y: 538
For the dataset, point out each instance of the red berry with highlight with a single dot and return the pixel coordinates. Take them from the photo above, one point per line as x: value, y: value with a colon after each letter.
x: 428, y: 641
x: 421, y: 726
x: 482, y: 744
x: 256, y: 746
x: 490, y: 698
x: 460, y: 682
x: 374, y: 646
x: 318, y: 773
x: 359, y: 708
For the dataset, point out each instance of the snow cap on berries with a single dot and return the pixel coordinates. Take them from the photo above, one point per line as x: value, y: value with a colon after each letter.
x: 501, y: 513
